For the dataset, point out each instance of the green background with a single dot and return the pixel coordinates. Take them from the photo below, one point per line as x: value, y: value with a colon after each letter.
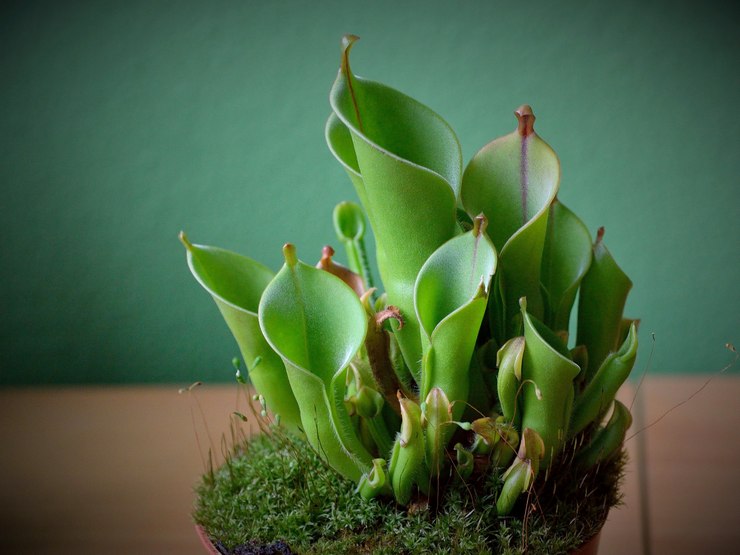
x: 123, y: 122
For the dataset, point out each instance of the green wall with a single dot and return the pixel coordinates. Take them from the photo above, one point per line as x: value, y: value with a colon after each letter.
x: 123, y: 122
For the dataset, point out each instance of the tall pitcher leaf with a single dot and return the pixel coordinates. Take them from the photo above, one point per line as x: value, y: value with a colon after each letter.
x: 316, y: 323
x: 236, y: 284
x: 405, y: 163
x: 565, y: 260
x: 450, y: 296
x: 513, y: 180
x: 603, y: 295
x: 601, y: 390
x: 548, y: 392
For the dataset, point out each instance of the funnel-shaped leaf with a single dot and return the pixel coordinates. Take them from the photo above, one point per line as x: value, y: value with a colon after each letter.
x: 436, y: 419
x: 513, y: 180
x: 363, y: 399
x: 407, y: 467
x: 316, y: 323
x: 450, y: 297
x: 375, y: 482
x: 405, y: 163
x: 495, y: 437
x: 236, y: 284
x: 465, y: 462
x: 602, y: 389
x: 547, y: 395
x: 521, y: 474
x: 603, y: 295
x: 509, y: 379
x: 607, y: 440
x: 565, y: 260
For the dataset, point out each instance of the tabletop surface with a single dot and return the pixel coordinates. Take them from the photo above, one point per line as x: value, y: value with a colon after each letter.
x: 111, y: 469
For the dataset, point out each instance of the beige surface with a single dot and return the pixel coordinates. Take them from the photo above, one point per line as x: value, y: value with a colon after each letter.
x: 110, y: 470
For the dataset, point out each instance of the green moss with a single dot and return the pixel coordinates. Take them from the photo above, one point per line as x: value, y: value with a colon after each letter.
x: 276, y: 488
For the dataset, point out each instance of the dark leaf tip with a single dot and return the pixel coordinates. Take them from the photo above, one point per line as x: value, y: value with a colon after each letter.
x: 480, y: 223
x: 347, y: 41
x: 525, y: 117
x: 389, y: 312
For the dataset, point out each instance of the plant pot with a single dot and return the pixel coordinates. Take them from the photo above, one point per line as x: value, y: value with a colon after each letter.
x: 206, y: 541
x: 591, y: 547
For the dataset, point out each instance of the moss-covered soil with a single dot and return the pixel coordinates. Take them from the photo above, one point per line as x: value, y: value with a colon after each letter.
x: 276, y: 489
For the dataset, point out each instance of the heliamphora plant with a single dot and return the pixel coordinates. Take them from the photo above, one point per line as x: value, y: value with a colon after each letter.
x: 462, y: 365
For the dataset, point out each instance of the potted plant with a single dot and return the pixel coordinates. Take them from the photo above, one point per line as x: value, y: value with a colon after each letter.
x: 455, y: 412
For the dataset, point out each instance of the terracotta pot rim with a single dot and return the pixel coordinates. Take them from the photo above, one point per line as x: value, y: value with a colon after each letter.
x: 590, y: 547
x: 206, y: 540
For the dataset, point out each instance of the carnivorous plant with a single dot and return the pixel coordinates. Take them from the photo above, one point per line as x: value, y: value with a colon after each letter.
x: 463, y: 362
